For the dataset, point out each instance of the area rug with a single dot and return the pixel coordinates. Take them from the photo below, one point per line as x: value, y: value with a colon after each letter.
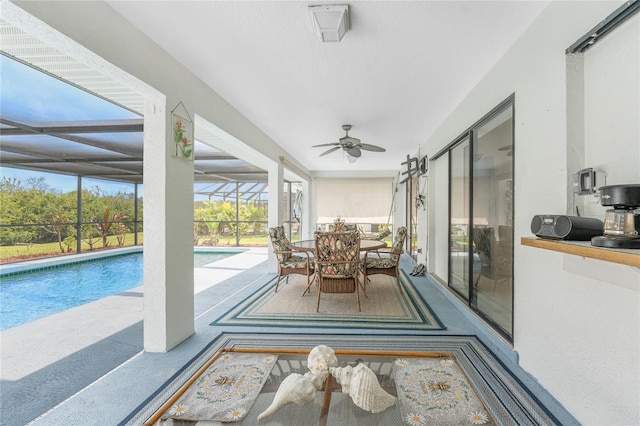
x: 444, y: 380
x: 384, y: 308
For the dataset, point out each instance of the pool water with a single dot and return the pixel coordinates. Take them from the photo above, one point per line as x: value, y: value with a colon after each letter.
x: 30, y: 296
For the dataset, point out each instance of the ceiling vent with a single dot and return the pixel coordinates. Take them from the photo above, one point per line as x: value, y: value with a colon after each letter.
x: 331, y: 22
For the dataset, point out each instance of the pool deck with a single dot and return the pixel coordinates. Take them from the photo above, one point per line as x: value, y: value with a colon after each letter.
x: 48, y: 360
x: 86, y: 366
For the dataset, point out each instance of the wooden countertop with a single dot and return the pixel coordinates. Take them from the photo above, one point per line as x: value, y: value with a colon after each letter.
x: 629, y: 257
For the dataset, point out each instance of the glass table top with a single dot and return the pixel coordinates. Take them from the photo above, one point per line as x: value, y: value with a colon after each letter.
x: 364, y: 245
x: 428, y: 388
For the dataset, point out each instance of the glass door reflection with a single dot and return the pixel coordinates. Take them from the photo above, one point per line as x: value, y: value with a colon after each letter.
x: 493, y: 220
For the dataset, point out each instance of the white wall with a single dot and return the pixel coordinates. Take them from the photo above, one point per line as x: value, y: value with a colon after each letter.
x: 438, y: 225
x: 576, y: 320
x: 612, y: 111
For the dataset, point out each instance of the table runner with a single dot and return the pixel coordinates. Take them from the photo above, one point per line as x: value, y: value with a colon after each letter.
x: 435, y: 391
x: 226, y: 390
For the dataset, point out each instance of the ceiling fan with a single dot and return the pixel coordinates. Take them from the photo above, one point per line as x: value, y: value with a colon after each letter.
x: 507, y: 148
x: 351, y: 146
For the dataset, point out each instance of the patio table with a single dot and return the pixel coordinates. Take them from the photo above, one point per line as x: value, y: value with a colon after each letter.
x: 310, y: 245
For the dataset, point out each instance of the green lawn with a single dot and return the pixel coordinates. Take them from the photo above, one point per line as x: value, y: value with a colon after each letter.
x: 25, y: 251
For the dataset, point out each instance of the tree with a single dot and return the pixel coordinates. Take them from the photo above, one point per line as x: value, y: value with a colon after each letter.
x: 120, y: 228
x: 104, y: 226
x: 31, y: 203
x: 89, y: 237
x: 217, y: 217
x: 34, y: 212
x: 255, y: 214
x: 56, y: 225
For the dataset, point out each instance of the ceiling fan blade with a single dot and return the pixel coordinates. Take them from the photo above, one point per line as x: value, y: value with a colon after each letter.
x: 354, y: 151
x: 368, y: 147
x: 330, y: 150
x: 326, y: 144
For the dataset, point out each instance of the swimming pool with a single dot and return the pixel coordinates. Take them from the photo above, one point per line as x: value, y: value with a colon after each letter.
x: 28, y: 296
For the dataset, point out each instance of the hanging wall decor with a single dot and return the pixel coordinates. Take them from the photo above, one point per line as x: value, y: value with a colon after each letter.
x: 182, y: 132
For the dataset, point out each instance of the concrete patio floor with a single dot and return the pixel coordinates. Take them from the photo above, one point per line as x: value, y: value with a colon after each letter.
x: 86, y: 366
x: 48, y: 360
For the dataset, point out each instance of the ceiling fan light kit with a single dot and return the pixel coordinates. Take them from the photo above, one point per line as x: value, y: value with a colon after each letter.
x: 331, y: 22
x: 351, y: 146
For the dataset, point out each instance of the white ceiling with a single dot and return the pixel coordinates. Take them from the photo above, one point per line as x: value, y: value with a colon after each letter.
x: 399, y: 71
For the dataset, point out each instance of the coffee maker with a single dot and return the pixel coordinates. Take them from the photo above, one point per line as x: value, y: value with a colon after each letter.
x: 622, y: 222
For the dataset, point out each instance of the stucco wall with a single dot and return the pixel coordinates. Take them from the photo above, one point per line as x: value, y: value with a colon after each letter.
x: 576, y: 320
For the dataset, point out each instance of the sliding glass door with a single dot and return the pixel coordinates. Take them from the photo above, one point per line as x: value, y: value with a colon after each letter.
x: 493, y: 219
x: 481, y: 218
x: 459, y: 208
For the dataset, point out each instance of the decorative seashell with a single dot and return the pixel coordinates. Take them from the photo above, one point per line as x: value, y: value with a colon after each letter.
x: 295, y: 388
x: 317, y: 379
x: 362, y: 385
x: 321, y: 358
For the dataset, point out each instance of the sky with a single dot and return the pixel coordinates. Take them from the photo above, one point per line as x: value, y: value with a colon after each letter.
x: 64, y: 184
x: 33, y: 97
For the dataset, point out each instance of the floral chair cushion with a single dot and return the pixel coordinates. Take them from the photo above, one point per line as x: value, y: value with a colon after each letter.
x: 381, y: 262
x: 382, y: 235
x: 297, y: 262
x: 280, y: 244
x: 278, y: 232
x: 339, y: 248
x: 398, y: 243
x: 390, y: 261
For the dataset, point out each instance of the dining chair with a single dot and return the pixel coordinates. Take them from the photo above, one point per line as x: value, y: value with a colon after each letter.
x: 338, y: 263
x: 380, y: 236
x: 289, y: 263
x: 388, y: 260
x: 338, y: 226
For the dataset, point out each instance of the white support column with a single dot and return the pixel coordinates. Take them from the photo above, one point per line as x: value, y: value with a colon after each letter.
x: 168, y: 236
x: 308, y: 218
x: 276, y: 204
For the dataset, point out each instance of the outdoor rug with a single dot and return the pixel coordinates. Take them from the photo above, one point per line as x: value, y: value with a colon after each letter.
x: 384, y: 308
x: 438, y: 380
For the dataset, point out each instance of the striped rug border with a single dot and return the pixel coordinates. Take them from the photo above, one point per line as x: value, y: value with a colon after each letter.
x: 419, y: 315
